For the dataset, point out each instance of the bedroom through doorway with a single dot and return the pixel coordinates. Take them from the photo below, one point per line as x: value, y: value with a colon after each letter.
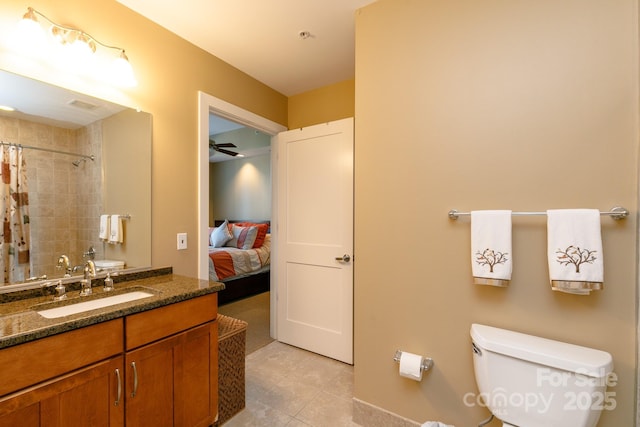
x: 235, y: 170
x: 240, y: 191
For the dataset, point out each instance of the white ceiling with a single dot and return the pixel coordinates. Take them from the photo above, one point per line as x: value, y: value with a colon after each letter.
x: 55, y: 106
x: 261, y: 37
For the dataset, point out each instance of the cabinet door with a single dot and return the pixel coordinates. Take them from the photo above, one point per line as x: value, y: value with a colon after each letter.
x: 149, y: 384
x: 91, y: 396
x: 196, y: 377
x: 27, y: 416
x: 173, y: 382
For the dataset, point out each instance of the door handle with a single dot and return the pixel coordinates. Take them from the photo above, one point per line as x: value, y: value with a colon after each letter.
x: 343, y: 258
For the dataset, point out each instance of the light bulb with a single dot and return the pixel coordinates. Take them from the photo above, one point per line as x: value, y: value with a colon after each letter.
x: 122, y: 72
x: 77, y: 57
x: 81, y: 49
x: 29, y: 37
x: 70, y: 50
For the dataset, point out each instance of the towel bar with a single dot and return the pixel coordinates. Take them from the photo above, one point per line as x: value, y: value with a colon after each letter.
x: 125, y: 216
x: 616, y: 213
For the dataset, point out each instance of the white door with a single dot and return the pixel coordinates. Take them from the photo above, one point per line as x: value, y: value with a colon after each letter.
x: 315, y: 239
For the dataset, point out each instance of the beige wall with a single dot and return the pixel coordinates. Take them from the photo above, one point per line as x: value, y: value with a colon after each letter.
x: 523, y: 105
x: 170, y: 72
x: 333, y: 102
x: 127, y: 184
x: 240, y: 189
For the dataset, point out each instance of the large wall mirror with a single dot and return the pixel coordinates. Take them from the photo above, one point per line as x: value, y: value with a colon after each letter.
x: 84, y: 158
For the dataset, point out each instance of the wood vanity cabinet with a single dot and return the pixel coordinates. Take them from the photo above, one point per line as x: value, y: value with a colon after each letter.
x: 173, y: 381
x: 87, y: 397
x: 68, y: 379
x: 158, y: 367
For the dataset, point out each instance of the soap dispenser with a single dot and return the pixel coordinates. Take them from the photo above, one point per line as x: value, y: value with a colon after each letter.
x: 61, y: 292
x: 108, y: 283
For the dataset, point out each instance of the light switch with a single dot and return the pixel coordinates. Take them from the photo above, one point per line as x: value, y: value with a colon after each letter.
x: 182, y: 241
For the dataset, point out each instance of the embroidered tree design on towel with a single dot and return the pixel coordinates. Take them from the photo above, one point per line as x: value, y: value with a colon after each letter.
x: 491, y: 258
x: 576, y: 256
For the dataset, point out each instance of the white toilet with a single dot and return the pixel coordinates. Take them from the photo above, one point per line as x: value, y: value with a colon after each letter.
x: 109, y: 264
x: 527, y: 381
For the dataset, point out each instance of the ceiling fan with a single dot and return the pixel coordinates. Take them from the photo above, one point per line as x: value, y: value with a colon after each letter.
x: 221, y: 147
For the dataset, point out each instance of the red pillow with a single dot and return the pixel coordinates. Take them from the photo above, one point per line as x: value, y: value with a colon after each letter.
x: 263, y: 229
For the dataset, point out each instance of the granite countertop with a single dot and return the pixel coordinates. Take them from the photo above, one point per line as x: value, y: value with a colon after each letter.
x: 20, y: 322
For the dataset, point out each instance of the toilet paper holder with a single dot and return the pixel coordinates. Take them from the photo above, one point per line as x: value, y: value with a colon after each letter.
x: 427, y: 362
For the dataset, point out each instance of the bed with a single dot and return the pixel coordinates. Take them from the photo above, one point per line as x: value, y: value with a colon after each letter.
x: 239, y: 257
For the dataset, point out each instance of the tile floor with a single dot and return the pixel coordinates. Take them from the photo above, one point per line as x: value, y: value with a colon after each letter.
x: 254, y: 311
x: 287, y: 386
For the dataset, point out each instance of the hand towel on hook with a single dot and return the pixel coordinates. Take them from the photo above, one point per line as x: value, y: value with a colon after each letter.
x: 491, y: 247
x: 116, y: 234
x: 574, y: 248
x: 104, y: 228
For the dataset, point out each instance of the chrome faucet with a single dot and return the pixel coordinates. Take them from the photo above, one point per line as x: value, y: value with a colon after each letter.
x: 91, y: 253
x: 63, y: 263
x: 89, y: 273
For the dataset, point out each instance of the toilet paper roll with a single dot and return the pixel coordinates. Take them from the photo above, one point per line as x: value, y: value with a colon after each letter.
x: 411, y: 366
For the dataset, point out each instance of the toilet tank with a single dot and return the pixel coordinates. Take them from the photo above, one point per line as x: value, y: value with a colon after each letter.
x: 109, y: 264
x: 531, y: 381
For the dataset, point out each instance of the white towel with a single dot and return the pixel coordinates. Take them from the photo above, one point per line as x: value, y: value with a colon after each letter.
x: 104, y: 227
x: 491, y: 247
x: 115, y: 230
x: 574, y: 248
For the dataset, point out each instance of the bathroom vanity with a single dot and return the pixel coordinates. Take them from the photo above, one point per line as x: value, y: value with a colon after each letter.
x: 151, y: 361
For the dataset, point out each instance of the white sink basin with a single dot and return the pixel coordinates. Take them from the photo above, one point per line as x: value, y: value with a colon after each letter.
x: 66, y: 310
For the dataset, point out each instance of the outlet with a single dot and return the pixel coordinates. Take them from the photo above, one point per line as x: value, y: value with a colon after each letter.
x: 182, y: 241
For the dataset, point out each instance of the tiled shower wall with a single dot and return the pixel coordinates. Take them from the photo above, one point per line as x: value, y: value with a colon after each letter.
x: 65, y: 201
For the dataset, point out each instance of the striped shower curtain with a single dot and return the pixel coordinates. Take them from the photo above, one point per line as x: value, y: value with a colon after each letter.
x: 14, y: 207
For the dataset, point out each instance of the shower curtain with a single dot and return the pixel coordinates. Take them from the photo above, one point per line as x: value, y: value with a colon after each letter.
x: 14, y: 206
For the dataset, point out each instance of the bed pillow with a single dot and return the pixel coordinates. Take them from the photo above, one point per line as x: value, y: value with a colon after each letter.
x: 243, y: 237
x: 220, y: 235
x: 263, y: 229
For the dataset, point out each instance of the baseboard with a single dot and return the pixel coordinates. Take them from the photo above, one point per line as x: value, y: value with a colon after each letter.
x: 370, y: 415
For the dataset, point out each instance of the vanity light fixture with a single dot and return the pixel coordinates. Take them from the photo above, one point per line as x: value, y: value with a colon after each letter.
x: 74, y: 48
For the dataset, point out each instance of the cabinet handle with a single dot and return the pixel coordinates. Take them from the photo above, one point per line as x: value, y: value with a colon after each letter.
x: 135, y: 379
x: 119, y: 387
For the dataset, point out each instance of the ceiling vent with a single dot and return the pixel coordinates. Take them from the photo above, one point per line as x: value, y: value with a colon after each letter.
x: 82, y: 104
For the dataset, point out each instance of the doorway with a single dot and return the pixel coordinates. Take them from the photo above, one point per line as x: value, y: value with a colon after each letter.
x: 208, y: 104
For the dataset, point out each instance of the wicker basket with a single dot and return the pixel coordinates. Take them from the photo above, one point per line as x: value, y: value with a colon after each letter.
x: 231, y: 353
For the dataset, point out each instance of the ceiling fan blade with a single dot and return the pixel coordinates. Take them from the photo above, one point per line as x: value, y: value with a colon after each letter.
x: 226, y: 144
x: 231, y: 153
